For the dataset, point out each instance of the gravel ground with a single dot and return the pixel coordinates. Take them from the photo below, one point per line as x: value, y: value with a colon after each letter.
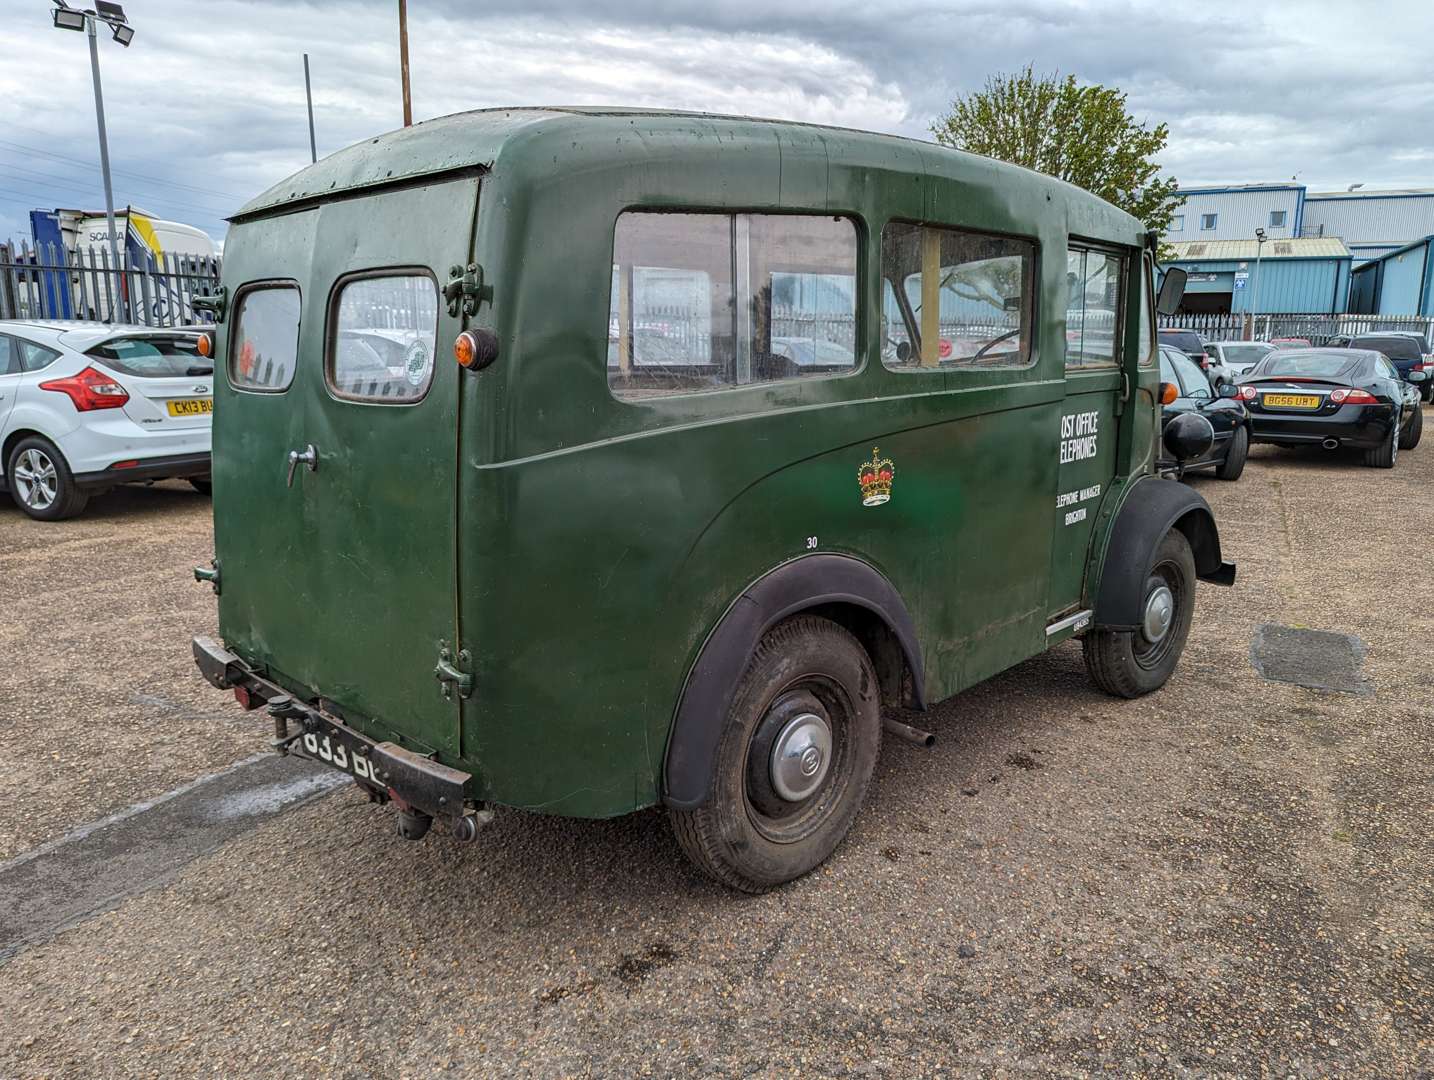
x: 97, y: 680
x: 1232, y: 877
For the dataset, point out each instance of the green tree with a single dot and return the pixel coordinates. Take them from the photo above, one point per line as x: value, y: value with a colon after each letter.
x: 1078, y: 133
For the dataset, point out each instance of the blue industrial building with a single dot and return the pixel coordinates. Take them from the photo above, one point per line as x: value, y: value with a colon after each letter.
x: 1330, y: 252
x: 1281, y: 276
x: 1400, y: 282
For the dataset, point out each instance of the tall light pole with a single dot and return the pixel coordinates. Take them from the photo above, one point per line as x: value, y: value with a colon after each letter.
x: 403, y: 61
x: 112, y: 15
x: 1255, y: 299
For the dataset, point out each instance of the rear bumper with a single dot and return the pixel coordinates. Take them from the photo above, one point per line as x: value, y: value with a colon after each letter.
x: 109, y: 435
x: 1361, y: 426
x: 159, y: 468
x: 410, y: 779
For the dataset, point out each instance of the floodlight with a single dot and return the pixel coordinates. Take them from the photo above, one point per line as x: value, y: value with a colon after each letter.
x: 67, y: 18
x: 109, y: 11
x: 123, y: 34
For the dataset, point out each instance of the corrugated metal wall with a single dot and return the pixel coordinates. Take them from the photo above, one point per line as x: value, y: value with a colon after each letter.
x: 1285, y: 286
x: 1238, y: 214
x: 1403, y: 288
x: 1371, y: 219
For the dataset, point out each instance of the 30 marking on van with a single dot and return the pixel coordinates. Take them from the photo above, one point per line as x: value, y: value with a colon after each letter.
x: 811, y: 543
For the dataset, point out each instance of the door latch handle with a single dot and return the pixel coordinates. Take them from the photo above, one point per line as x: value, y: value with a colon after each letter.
x: 310, y: 458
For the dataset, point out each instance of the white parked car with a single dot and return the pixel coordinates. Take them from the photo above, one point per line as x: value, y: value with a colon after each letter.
x: 87, y: 406
x: 1231, y: 359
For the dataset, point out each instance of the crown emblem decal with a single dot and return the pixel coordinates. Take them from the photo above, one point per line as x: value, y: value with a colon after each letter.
x: 875, y: 477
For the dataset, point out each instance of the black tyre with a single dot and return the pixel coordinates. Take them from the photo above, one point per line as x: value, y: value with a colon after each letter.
x: 1386, y: 453
x: 40, y: 481
x: 201, y: 484
x: 794, y: 760
x: 1129, y: 663
x: 1234, y: 463
x: 1409, y: 438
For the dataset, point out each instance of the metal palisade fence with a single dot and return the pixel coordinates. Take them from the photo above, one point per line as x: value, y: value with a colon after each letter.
x: 1316, y: 329
x: 54, y: 282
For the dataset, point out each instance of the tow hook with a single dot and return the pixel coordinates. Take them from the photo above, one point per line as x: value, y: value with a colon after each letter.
x: 283, y: 709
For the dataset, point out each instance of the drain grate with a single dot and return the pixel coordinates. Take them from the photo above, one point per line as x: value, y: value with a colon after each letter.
x: 1318, y: 659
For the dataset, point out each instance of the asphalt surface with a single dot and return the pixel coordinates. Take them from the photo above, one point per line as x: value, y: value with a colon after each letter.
x: 1232, y: 877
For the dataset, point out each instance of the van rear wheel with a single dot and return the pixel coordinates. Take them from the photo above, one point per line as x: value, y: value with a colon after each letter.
x: 794, y: 759
x: 1129, y: 663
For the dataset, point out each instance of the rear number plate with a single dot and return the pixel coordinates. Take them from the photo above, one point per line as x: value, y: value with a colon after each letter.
x: 332, y: 752
x: 191, y: 407
x: 1293, y: 401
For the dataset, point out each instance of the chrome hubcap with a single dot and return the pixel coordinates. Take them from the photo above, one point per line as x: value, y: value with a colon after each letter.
x: 35, y: 479
x: 801, y: 755
x: 1159, y: 613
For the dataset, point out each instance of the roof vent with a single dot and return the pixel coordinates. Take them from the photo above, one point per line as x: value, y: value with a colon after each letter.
x: 1284, y: 247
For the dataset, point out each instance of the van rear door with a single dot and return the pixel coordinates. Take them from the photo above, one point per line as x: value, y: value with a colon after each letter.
x: 338, y: 566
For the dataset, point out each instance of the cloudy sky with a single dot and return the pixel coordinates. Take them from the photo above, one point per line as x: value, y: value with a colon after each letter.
x: 207, y: 107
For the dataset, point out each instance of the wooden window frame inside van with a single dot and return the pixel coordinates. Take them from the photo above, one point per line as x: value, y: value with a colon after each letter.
x: 909, y: 317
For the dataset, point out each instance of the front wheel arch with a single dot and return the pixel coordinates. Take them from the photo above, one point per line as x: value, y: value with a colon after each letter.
x: 1151, y: 509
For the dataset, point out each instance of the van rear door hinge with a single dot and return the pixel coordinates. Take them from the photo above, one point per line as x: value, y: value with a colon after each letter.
x: 464, y: 289
x: 450, y: 673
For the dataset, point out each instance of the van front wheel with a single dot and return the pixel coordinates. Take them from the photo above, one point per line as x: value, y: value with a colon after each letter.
x: 1129, y: 663
x: 794, y: 759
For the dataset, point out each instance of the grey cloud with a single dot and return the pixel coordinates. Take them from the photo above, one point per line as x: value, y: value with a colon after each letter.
x: 1250, y: 92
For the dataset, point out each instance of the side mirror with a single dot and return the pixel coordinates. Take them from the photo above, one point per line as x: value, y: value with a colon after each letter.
x: 903, y: 351
x: 1418, y: 376
x: 1172, y: 289
x: 1228, y: 390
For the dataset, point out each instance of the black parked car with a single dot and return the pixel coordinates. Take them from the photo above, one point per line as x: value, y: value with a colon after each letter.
x: 1334, y: 398
x: 1195, y: 396
x: 1405, y: 352
x: 1188, y: 342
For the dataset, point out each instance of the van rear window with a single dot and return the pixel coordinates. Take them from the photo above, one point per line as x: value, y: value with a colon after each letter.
x: 265, y: 346
x: 382, y: 338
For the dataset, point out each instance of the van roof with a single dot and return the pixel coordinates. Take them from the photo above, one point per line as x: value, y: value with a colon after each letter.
x: 474, y: 141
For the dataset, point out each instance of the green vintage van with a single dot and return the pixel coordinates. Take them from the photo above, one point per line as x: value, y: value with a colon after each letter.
x: 582, y: 460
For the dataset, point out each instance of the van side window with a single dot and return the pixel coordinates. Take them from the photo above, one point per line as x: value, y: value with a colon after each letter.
x: 265, y: 346
x: 1147, y: 307
x: 970, y: 297
x: 1094, y: 279
x: 382, y: 333
x: 718, y: 301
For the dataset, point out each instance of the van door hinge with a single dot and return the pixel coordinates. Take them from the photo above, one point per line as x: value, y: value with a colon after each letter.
x: 214, y: 303
x: 1124, y: 393
x: 450, y: 673
x: 464, y: 289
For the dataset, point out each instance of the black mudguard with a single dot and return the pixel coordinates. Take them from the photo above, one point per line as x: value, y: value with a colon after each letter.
x: 1151, y: 509
x: 805, y: 583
